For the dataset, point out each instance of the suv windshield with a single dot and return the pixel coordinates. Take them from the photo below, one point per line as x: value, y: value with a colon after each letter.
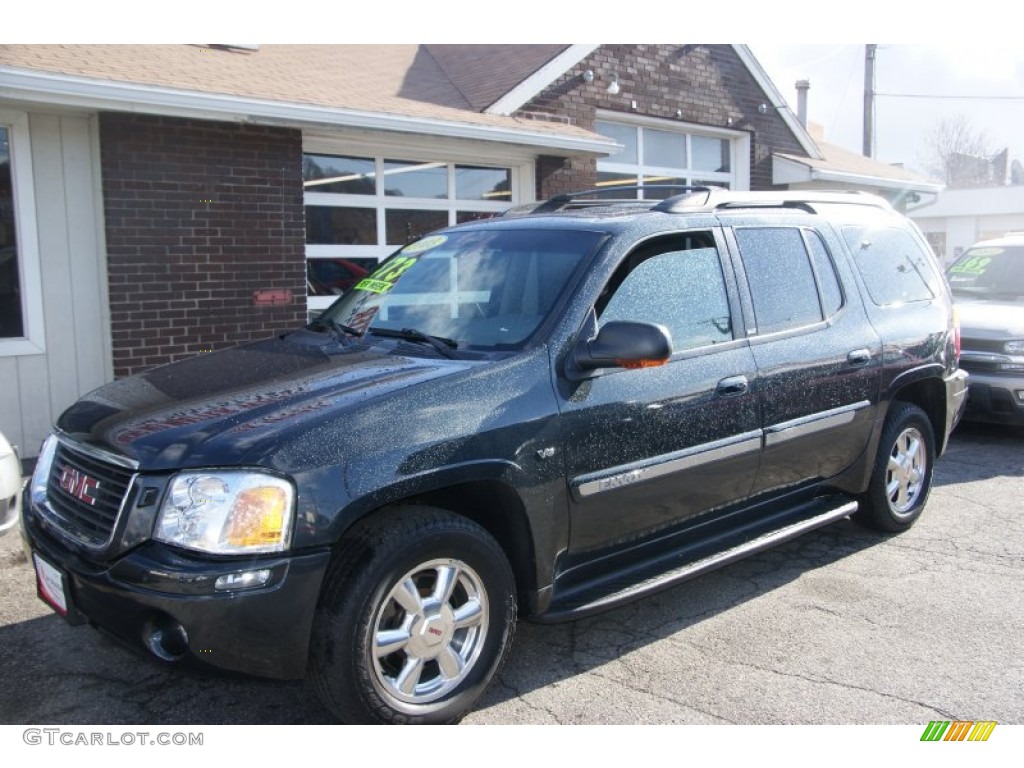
x: 989, y: 272
x: 478, y: 288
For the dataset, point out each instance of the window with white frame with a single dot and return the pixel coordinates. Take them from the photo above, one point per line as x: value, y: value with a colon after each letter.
x: 663, y: 157
x: 360, y: 209
x: 21, y: 310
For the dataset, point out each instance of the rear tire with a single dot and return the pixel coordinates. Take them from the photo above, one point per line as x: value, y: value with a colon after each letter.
x: 902, y: 476
x: 416, y: 616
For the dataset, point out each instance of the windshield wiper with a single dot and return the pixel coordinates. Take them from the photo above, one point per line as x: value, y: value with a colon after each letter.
x: 443, y: 345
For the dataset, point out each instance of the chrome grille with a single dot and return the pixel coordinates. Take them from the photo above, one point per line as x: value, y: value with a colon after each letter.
x: 84, y: 494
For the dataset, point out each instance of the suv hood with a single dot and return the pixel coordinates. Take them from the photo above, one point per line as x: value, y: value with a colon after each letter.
x: 990, y: 319
x: 229, y: 406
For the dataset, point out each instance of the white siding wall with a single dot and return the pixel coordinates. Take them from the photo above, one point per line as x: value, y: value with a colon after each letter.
x: 34, y: 389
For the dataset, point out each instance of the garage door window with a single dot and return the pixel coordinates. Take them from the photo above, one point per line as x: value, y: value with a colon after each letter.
x: 654, y: 158
x: 360, y: 209
x: 11, y: 323
x: 21, y: 301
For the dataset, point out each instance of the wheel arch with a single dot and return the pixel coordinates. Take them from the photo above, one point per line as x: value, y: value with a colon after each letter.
x: 490, y: 503
x: 928, y: 394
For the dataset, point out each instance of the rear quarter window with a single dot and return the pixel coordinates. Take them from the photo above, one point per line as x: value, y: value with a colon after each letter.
x: 896, y: 268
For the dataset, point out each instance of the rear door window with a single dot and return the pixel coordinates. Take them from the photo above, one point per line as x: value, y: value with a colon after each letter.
x: 781, y: 279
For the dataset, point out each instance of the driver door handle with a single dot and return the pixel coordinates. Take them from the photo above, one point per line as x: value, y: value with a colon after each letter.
x: 859, y: 357
x: 732, y: 386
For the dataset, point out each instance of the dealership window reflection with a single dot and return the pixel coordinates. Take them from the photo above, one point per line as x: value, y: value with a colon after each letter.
x: 11, y: 320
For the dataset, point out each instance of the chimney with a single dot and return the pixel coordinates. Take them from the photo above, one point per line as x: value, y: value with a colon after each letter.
x: 802, y: 87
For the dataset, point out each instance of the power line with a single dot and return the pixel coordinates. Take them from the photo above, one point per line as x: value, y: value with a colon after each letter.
x: 937, y: 96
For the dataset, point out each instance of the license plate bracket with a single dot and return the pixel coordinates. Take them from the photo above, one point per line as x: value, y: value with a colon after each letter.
x: 52, y: 586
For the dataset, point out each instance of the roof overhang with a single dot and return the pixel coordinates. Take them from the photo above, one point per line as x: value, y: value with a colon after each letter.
x: 33, y: 86
x: 787, y: 170
x: 539, y: 80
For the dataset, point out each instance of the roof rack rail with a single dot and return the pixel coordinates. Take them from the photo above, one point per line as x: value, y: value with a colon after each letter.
x: 721, y: 200
x: 698, y: 198
x: 575, y: 199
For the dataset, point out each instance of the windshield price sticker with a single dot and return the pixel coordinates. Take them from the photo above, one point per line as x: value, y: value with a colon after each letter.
x: 384, y: 279
x: 975, y: 265
x: 425, y: 244
x: 374, y: 286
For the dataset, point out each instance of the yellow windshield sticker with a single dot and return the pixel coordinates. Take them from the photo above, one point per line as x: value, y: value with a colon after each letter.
x: 425, y: 244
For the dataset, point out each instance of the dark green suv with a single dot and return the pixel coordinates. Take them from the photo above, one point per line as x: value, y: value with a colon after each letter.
x: 542, y: 415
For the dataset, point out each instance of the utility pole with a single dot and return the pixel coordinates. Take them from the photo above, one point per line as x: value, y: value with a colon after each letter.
x: 869, y: 100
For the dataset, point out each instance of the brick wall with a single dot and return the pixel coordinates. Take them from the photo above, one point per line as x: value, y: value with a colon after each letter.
x: 708, y: 84
x: 199, y: 217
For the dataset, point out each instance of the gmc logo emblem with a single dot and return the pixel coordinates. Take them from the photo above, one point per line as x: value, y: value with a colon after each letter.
x: 78, y: 485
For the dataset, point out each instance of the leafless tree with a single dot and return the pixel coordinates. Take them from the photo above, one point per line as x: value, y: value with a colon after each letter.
x: 958, y: 154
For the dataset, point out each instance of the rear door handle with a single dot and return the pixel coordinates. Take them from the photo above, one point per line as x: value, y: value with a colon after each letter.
x: 734, y: 385
x: 859, y: 357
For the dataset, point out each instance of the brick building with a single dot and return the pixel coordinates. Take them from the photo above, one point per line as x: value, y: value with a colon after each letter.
x: 161, y: 201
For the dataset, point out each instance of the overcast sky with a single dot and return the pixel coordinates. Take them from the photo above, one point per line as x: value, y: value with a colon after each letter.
x: 934, y: 49
x: 902, y: 123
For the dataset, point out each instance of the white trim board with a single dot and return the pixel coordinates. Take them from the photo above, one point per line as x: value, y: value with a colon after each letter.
x: 527, y: 90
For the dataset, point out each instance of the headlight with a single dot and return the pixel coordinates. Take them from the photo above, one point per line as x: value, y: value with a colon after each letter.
x: 227, y: 513
x: 1015, y: 347
x: 41, y: 474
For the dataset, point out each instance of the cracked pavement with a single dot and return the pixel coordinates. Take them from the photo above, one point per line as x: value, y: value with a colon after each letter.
x: 840, y: 626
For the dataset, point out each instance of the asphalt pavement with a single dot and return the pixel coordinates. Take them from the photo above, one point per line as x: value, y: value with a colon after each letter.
x: 840, y: 626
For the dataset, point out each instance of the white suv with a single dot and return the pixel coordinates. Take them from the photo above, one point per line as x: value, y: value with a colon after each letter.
x: 988, y: 290
x: 10, y: 486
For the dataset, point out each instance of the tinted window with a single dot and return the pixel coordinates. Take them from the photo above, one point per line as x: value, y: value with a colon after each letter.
x: 831, y: 293
x: 991, y: 272
x: 682, y: 290
x: 895, y: 267
x: 780, y: 277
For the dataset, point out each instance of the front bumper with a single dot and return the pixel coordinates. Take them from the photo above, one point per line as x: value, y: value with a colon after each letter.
x: 994, y: 398
x: 163, y: 602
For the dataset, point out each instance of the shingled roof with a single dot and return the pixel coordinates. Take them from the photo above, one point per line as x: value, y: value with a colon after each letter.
x: 841, y: 165
x: 444, y: 83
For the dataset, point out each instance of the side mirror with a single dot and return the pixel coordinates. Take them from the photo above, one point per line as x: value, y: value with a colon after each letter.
x: 621, y: 344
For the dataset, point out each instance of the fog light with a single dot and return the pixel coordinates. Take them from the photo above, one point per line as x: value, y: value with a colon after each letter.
x: 166, y: 639
x: 243, y: 580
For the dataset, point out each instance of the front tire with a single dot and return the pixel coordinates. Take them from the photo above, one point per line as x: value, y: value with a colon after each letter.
x: 416, y: 616
x: 902, y: 476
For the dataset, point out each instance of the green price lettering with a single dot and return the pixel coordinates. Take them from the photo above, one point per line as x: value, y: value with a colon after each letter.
x: 393, y: 270
x: 975, y: 265
x: 383, y: 280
